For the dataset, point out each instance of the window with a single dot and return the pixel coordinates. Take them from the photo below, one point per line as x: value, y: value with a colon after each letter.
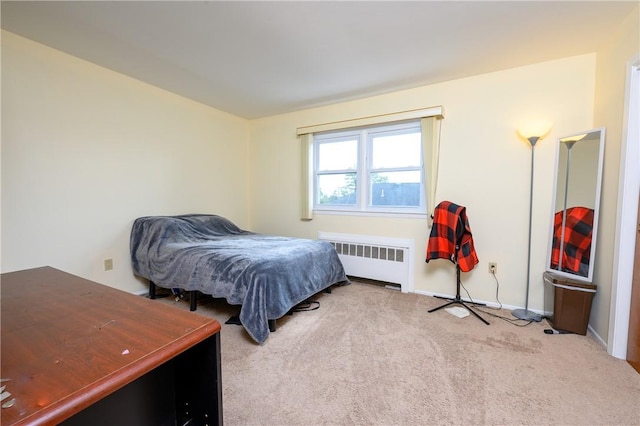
x: 372, y: 169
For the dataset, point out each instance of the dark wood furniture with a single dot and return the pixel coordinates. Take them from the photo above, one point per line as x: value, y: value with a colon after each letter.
x: 80, y: 352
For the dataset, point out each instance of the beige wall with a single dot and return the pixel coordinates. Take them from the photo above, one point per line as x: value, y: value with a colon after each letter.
x: 483, y: 166
x: 85, y: 151
x: 614, y: 60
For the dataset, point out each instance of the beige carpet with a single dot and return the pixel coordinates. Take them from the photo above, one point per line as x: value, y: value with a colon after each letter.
x: 373, y: 356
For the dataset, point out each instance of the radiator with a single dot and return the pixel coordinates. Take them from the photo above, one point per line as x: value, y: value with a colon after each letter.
x: 376, y: 258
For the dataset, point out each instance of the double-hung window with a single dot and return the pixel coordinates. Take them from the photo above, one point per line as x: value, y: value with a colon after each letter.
x: 377, y: 169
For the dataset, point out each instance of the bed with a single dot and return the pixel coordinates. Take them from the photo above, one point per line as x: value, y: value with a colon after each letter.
x: 266, y: 275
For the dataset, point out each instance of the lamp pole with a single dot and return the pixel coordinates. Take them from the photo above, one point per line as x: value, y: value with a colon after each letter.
x: 569, y: 145
x: 526, y: 314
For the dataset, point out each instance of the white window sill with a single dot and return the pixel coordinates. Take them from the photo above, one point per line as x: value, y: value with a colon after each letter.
x: 421, y: 216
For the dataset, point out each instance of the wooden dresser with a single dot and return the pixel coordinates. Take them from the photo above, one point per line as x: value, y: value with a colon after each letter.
x: 78, y: 352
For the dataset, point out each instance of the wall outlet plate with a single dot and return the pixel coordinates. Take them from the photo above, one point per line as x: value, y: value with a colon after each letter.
x: 108, y: 264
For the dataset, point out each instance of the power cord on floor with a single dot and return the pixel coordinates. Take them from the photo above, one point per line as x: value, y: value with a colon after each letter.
x: 514, y: 321
x: 307, y: 305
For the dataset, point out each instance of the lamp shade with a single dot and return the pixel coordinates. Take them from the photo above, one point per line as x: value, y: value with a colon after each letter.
x: 535, y: 129
x: 575, y: 138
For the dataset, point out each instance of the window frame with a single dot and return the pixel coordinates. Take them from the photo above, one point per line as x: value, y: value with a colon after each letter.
x: 364, y: 168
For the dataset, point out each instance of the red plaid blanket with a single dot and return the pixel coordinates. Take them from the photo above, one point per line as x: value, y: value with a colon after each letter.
x: 451, y: 236
x: 577, y: 240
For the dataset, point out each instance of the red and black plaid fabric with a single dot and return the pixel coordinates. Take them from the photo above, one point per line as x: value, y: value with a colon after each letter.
x: 577, y: 240
x: 451, y: 236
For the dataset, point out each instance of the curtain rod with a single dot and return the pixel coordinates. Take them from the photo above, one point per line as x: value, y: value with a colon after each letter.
x: 436, y: 111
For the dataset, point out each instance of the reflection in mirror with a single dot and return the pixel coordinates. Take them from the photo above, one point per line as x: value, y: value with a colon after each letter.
x: 577, y: 198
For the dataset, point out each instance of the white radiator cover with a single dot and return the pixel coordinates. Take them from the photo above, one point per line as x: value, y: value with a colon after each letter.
x: 375, y: 258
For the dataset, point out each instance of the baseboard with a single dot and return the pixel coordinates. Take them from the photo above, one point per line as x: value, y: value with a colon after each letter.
x: 597, y: 337
x: 510, y: 308
x: 486, y: 302
x: 141, y: 293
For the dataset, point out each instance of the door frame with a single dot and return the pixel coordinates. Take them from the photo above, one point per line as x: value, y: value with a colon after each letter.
x: 627, y: 215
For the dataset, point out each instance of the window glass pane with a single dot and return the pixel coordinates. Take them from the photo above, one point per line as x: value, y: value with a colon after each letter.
x: 341, y: 155
x: 337, y: 189
x: 403, y: 150
x: 387, y: 157
x: 400, y: 189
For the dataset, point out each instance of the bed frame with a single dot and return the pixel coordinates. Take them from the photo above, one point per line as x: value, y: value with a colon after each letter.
x: 193, y: 301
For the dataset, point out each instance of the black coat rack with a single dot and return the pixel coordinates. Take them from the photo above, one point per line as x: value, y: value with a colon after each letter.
x: 457, y: 299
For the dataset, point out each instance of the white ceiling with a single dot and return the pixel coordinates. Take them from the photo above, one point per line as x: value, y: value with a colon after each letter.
x: 255, y: 59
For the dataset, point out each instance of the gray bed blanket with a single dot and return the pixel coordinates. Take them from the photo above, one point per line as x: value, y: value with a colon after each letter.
x: 267, y: 275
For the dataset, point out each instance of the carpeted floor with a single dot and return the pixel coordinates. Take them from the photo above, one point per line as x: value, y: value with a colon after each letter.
x: 374, y: 356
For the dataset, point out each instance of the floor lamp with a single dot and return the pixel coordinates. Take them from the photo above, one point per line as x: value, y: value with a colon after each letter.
x: 526, y: 314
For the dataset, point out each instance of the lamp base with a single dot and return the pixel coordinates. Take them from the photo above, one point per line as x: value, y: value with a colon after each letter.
x: 527, y: 315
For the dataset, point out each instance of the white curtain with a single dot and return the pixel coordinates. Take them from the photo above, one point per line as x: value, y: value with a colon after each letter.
x: 307, y: 176
x: 431, y: 154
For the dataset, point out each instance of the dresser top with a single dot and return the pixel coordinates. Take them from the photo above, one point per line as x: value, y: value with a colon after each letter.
x: 67, y: 342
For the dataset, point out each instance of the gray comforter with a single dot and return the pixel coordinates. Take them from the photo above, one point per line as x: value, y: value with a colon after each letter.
x: 267, y: 275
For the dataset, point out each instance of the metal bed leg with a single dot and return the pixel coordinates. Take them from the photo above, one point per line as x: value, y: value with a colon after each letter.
x: 272, y: 325
x: 152, y: 290
x: 193, y: 299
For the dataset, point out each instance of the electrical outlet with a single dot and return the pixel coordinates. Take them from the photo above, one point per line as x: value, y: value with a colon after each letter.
x: 108, y: 264
x: 493, y: 267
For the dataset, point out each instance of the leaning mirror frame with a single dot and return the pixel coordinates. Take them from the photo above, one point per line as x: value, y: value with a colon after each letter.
x: 576, y: 205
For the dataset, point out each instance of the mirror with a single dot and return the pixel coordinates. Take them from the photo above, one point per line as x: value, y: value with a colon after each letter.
x: 574, y: 223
